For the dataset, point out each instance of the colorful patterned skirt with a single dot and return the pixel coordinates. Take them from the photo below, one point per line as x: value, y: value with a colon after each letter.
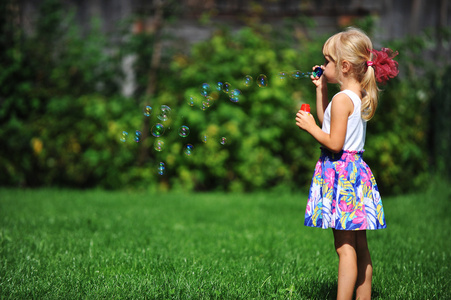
x: 344, y: 194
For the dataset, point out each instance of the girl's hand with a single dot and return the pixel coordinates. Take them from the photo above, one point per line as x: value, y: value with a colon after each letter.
x: 305, y: 120
x: 318, y: 81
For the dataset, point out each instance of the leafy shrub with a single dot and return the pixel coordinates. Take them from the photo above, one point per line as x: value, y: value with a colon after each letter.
x: 43, y: 80
x: 62, y: 112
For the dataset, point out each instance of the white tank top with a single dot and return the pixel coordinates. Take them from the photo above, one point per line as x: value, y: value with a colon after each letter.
x: 356, y: 129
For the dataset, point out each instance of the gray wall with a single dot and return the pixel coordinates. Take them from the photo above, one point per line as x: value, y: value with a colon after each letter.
x: 396, y: 18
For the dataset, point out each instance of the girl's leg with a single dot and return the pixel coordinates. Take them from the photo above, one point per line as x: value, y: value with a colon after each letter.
x: 345, y: 245
x: 365, y: 267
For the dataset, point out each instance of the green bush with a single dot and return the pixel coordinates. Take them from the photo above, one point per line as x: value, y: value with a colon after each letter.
x: 402, y: 151
x: 62, y: 111
x: 48, y: 81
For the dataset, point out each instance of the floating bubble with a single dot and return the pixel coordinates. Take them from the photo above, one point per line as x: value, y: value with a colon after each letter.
x: 184, y: 131
x: 283, y: 75
x: 235, y: 95
x: 209, y: 101
x: 226, y: 87
x: 138, y: 136
x: 124, y: 136
x: 205, y: 89
x: 161, y: 168
x: 158, y: 145
x: 157, y: 130
x: 147, y: 111
x: 189, y: 149
x: 165, y: 113
x: 296, y: 74
x: 219, y: 86
x: 223, y: 141
x: 262, y: 81
x: 204, y: 138
x: 248, y: 80
x: 191, y: 100
x: 204, y: 105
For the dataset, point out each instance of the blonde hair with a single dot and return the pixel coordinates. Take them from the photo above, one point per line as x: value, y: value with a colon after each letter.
x: 354, y: 46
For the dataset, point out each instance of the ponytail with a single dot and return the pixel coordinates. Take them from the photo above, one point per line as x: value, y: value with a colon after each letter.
x: 380, y: 68
x: 370, y: 95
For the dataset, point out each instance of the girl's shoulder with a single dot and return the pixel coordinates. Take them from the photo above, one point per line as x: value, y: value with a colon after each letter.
x: 350, y: 95
x: 342, y: 103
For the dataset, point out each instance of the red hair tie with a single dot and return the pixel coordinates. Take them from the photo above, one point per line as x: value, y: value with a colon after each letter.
x: 384, y: 65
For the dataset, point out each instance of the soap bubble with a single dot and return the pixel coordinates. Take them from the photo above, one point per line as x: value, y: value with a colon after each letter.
x: 191, y: 100
x: 248, y: 80
x: 204, y: 105
x: 184, y: 131
x: 205, y: 89
x: 158, y: 145
x: 189, y: 149
x: 124, y: 136
x: 235, y: 95
x: 219, y: 86
x: 138, y: 136
x: 207, y: 102
x: 296, y: 74
x: 147, y: 111
x: 165, y: 113
x: 161, y: 168
x: 283, y: 75
x: 262, y: 81
x: 204, y: 138
x: 223, y: 141
x: 157, y: 130
x: 226, y: 87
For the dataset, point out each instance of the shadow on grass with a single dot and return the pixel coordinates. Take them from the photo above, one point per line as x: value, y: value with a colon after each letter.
x: 318, y: 289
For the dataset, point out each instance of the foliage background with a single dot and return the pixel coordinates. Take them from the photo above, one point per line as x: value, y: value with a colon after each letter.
x: 62, y: 111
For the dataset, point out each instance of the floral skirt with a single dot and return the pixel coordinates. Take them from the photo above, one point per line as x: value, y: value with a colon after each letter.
x: 344, y: 194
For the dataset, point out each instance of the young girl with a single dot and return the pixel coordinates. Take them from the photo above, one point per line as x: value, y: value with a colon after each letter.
x: 344, y: 195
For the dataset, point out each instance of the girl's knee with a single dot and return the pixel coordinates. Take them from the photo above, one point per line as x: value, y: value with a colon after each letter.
x: 345, y: 250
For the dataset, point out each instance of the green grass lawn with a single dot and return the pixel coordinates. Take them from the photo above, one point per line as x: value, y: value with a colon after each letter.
x: 98, y: 244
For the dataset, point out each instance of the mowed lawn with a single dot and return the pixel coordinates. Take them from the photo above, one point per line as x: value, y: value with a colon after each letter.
x: 70, y: 244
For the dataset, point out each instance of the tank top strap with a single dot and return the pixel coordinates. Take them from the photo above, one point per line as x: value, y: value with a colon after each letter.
x: 354, y: 98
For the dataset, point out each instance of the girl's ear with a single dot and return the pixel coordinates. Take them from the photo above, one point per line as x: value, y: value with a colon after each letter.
x: 345, y: 66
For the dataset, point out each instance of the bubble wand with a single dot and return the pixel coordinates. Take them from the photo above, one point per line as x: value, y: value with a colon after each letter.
x: 317, y: 73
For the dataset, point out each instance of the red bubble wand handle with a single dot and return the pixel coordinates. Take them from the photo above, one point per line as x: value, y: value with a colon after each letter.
x: 305, y: 107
